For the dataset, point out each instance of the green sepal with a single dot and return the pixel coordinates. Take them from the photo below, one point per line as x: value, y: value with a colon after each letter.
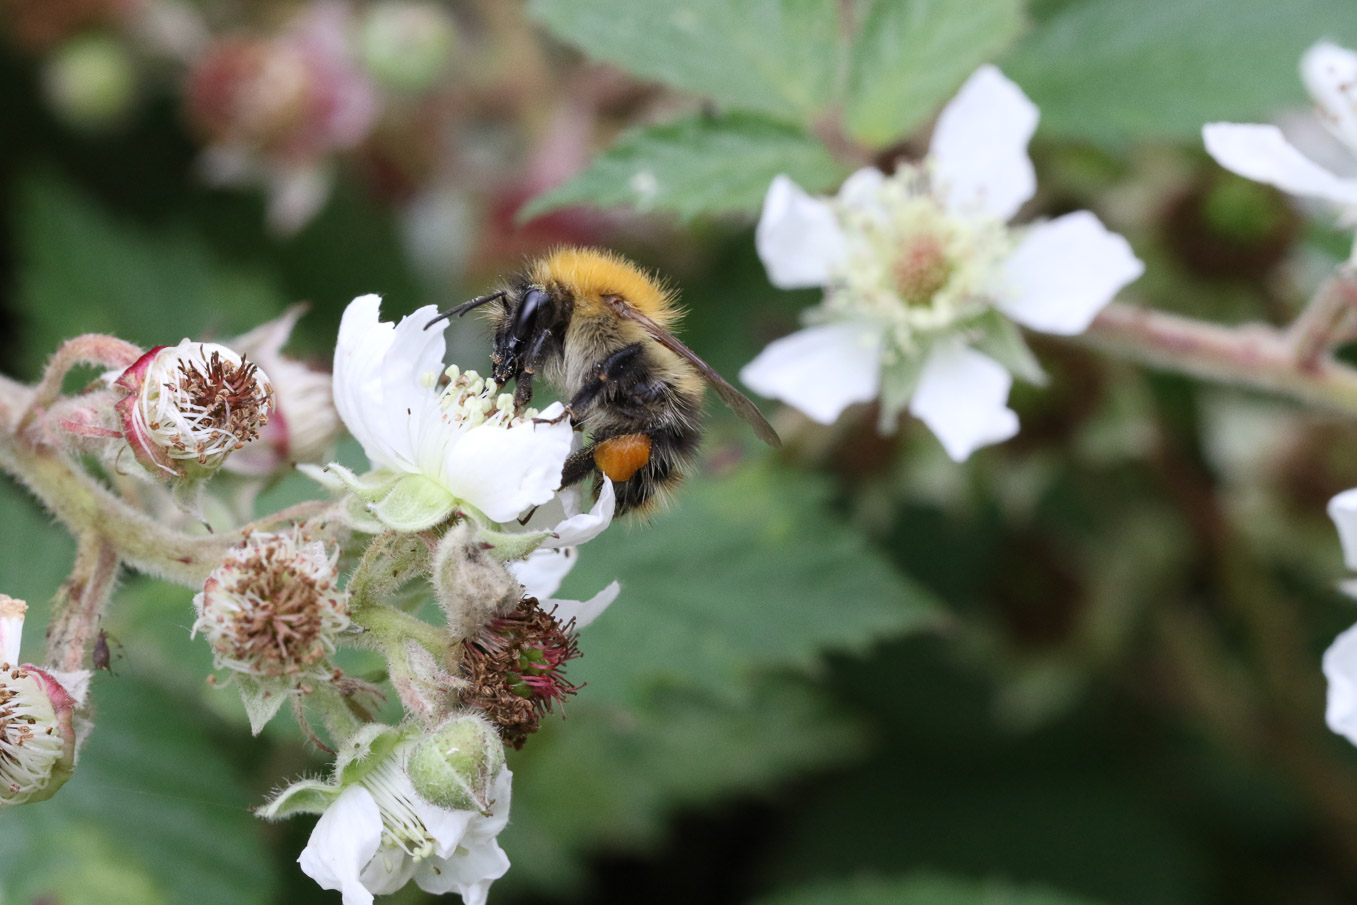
x: 898, y: 380
x: 1000, y: 339
x: 508, y: 546
x: 188, y: 496
x: 358, y: 515
x: 454, y: 765
x: 305, y: 796
x: 373, y: 486
x: 261, y: 703
x: 324, y: 475
x: 363, y: 750
x: 414, y: 503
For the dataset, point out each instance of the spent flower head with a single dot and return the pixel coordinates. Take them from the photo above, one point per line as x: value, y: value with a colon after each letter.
x: 272, y: 613
x: 190, y: 406
x: 516, y: 669
x: 273, y: 109
x: 273, y: 608
x: 39, y: 735
x: 924, y: 279
x: 438, y: 439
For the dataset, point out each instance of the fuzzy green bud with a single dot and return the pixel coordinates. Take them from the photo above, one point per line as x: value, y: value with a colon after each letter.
x: 91, y: 82
x: 473, y: 586
x: 406, y: 46
x: 455, y: 766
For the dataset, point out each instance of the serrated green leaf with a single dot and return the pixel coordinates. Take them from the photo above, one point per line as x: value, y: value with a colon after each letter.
x: 909, y: 56
x: 84, y: 271
x: 924, y: 889
x: 779, y: 57
x: 696, y: 166
x: 746, y: 574
x: 145, y: 767
x: 1111, y: 71
x: 608, y: 777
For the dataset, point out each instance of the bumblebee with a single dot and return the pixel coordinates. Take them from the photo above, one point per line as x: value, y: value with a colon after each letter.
x: 597, y: 328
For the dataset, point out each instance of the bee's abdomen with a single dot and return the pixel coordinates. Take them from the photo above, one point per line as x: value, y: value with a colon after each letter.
x: 673, y: 448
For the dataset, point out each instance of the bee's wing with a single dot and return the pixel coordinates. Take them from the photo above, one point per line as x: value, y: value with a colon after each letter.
x: 738, y: 402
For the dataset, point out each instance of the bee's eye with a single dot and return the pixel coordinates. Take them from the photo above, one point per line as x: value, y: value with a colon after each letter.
x: 526, y: 316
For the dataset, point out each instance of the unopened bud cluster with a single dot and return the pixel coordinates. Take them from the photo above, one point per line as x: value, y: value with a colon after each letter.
x: 272, y: 609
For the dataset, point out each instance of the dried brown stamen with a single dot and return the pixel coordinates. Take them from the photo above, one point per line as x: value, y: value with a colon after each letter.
x: 516, y: 669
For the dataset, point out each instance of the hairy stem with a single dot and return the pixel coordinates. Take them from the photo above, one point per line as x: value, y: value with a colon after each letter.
x: 92, y: 348
x: 1327, y: 320
x: 1253, y: 355
x: 80, y: 601
x: 87, y: 508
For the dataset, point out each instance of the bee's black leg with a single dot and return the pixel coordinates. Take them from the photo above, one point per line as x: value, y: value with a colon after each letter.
x: 578, y: 466
x: 522, y: 390
x: 621, y: 367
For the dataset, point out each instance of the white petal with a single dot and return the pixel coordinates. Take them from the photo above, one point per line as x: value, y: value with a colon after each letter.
x: 478, y: 860
x: 820, y: 370
x: 11, y: 629
x: 1340, y: 668
x: 1330, y: 75
x: 961, y: 396
x: 585, y: 526
x: 503, y: 471
x: 862, y: 193
x: 543, y: 571
x: 798, y: 237
x: 585, y: 612
x: 377, y: 387
x: 446, y: 825
x: 979, y: 147
x: 345, y: 839
x: 469, y: 873
x: 1063, y: 273
x: 388, y: 871
x: 296, y: 194
x: 1262, y: 154
x: 1343, y: 511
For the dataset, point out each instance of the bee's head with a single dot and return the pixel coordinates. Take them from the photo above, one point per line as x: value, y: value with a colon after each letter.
x: 515, y: 335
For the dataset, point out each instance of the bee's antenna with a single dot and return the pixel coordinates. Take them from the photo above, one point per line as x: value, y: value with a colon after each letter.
x: 467, y: 306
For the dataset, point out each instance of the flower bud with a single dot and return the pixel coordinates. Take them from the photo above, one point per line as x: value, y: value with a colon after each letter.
x: 295, y: 96
x: 273, y: 609
x: 91, y: 81
x: 189, y: 406
x: 472, y: 585
x: 516, y: 669
x: 456, y: 765
x: 37, y: 720
x: 405, y: 46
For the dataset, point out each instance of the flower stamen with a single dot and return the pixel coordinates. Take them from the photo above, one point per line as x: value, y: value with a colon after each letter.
x: 516, y: 667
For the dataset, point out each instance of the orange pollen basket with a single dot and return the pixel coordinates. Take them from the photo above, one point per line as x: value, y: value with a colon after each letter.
x: 621, y: 457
